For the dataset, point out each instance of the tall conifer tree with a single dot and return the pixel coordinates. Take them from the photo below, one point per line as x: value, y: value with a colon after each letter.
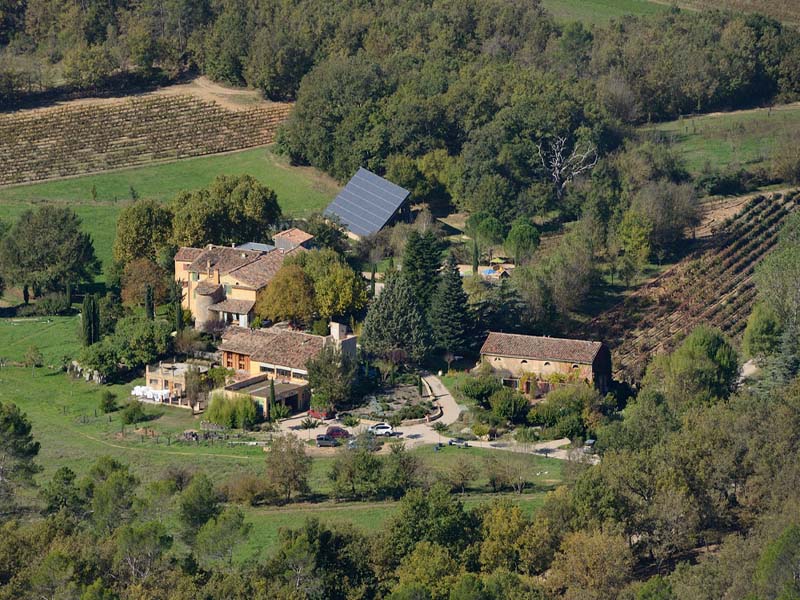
x: 448, y: 316
x: 421, y: 261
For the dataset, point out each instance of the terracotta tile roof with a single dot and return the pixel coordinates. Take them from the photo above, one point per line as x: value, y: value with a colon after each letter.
x: 293, y: 236
x: 185, y: 254
x: 259, y: 273
x: 541, y: 348
x: 279, y: 347
x: 222, y: 259
x: 206, y: 288
x: 240, y: 307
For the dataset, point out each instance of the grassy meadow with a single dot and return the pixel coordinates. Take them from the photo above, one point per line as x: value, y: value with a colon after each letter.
x: 300, y: 190
x: 55, y: 337
x: 746, y: 138
x: 73, y: 433
x: 600, y: 11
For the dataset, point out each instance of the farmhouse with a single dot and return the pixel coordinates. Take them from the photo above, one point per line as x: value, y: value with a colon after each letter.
x: 529, y: 362
x: 222, y: 284
x: 280, y: 355
x: 166, y: 382
x: 368, y: 203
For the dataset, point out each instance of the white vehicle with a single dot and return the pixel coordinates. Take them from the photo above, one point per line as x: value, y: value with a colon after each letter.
x: 382, y: 429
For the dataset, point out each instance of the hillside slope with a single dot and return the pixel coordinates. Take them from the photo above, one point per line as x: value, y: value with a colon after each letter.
x: 712, y: 287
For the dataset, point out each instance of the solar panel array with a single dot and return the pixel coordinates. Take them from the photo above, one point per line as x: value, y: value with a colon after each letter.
x: 367, y: 203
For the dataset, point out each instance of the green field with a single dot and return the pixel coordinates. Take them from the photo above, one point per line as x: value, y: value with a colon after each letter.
x: 600, y: 11
x: 55, y: 337
x: 300, y: 190
x: 73, y: 433
x: 746, y: 138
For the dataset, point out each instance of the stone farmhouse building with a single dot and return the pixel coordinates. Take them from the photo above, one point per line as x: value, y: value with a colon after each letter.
x: 222, y: 284
x: 530, y: 363
x: 281, y: 355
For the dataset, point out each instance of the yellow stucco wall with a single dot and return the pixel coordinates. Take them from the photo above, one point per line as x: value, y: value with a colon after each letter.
x: 519, y: 366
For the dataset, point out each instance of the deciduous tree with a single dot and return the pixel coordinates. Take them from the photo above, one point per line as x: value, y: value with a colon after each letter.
x: 288, y: 466
x: 144, y: 227
x: 289, y: 296
x: 331, y: 375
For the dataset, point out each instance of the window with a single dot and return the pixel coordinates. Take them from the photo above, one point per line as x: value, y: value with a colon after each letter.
x: 284, y: 373
x: 575, y: 367
x: 297, y: 375
x: 524, y: 362
x: 177, y: 387
x: 227, y: 289
x: 547, y: 364
x: 264, y: 369
x: 153, y: 382
x: 195, y: 276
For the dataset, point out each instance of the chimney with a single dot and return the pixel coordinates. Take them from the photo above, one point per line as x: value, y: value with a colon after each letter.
x: 208, y: 267
x: 338, y: 331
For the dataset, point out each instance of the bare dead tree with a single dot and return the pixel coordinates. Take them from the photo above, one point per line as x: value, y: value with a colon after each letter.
x: 562, y: 166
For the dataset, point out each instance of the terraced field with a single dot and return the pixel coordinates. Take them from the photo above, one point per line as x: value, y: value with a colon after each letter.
x: 80, y: 137
x: 712, y: 287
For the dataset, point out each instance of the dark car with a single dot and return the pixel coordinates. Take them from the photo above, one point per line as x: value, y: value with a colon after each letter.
x: 337, y: 432
x: 460, y: 442
x: 325, y: 440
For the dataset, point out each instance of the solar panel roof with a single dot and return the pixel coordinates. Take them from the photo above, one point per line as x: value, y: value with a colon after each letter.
x: 367, y: 202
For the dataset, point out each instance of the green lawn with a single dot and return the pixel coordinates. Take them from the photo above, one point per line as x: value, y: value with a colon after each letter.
x: 300, y: 190
x: 747, y: 138
x: 55, y: 337
x: 600, y: 11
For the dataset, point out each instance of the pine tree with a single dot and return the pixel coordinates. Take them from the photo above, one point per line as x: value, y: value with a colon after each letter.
x: 149, y: 304
x: 448, y: 317
x: 395, y: 324
x: 421, y: 261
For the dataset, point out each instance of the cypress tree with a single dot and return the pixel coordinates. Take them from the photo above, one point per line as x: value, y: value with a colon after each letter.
x: 372, y: 282
x: 149, y: 305
x: 475, y: 257
x: 271, y: 405
x: 90, y: 320
x: 69, y: 293
x: 448, y: 317
x: 177, y: 308
x: 421, y: 261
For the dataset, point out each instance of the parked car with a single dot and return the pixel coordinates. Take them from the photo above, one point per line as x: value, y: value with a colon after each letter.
x: 325, y: 440
x: 322, y: 415
x: 337, y: 432
x: 460, y: 442
x: 382, y: 429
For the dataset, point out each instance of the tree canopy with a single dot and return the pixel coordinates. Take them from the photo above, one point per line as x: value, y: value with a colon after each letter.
x: 46, y: 250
